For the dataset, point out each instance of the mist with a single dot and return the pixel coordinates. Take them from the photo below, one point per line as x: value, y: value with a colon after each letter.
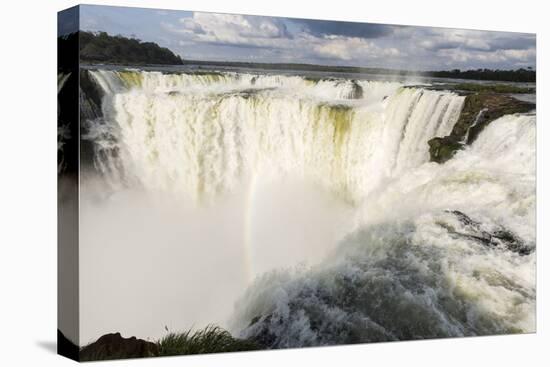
x: 150, y: 260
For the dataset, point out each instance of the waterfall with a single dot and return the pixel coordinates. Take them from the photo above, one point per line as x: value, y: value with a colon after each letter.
x: 63, y: 130
x: 195, y: 162
x: 474, y: 124
x: 424, y: 273
x: 201, y: 134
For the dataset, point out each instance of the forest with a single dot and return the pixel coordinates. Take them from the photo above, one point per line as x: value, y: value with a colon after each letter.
x: 102, y: 48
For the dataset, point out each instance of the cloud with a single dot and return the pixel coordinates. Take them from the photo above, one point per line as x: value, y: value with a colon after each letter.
x: 232, y: 29
x: 272, y: 36
x: 442, y: 38
x: 349, y: 48
x: 349, y: 29
x: 514, y: 42
x: 512, y: 57
x: 269, y: 39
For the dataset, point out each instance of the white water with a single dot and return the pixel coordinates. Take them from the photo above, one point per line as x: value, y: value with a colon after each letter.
x: 200, y: 135
x: 215, y: 179
x: 401, y: 274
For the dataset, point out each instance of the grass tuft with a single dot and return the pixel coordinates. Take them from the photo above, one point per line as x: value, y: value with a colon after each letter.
x: 211, y: 339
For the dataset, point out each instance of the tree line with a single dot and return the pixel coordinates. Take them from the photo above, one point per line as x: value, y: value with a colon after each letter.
x: 518, y: 75
x: 100, y: 47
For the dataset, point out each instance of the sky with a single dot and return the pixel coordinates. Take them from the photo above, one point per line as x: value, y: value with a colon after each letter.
x: 231, y: 37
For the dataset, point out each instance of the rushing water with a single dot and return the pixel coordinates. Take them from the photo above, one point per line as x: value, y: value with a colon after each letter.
x: 371, y: 241
x: 200, y: 134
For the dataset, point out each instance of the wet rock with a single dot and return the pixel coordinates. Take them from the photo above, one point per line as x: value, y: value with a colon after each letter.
x: 357, y: 90
x: 498, y: 237
x: 263, y: 337
x: 463, y: 218
x: 443, y: 149
x: 114, y: 346
x: 90, y: 93
x: 478, y: 111
x: 511, y: 242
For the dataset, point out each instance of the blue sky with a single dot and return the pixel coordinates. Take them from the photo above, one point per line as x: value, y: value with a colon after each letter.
x: 228, y: 37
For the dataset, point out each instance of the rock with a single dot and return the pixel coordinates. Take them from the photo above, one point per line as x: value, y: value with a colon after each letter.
x: 443, y: 149
x: 498, y: 237
x: 357, y: 91
x: 91, y: 90
x: 463, y: 218
x: 511, y: 242
x: 492, y: 106
x: 478, y: 111
x: 263, y: 337
x: 114, y: 346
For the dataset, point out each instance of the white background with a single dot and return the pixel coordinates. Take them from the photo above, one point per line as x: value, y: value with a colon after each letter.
x: 28, y: 182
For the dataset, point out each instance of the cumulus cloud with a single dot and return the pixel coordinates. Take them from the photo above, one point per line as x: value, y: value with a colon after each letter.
x: 438, y: 39
x: 272, y: 35
x: 231, y: 37
x: 232, y: 29
x: 436, y: 48
x: 517, y: 58
x: 441, y: 38
x: 348, y: 48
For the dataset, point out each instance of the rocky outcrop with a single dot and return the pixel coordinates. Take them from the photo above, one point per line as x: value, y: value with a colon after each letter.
x: 497, y: 237
x: 443, y: 149
x: 90, y: 96
x: 114, y: 346
x: 478, y: 111
x: 357, y: 90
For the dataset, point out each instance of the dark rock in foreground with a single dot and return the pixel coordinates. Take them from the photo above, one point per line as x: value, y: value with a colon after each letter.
x: 114, y: 346
x: 479, y: 110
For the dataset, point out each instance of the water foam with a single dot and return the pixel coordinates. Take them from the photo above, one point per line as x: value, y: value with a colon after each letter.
x: 420, y: 271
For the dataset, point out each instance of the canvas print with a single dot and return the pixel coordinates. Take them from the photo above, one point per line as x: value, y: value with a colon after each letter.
x: 240, y: 183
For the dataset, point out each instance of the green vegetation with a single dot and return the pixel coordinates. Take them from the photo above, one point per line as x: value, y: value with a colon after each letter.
x: 519, y: 75
x: 495, y: 88
x: 103, y: 48
x: 211, y: 339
